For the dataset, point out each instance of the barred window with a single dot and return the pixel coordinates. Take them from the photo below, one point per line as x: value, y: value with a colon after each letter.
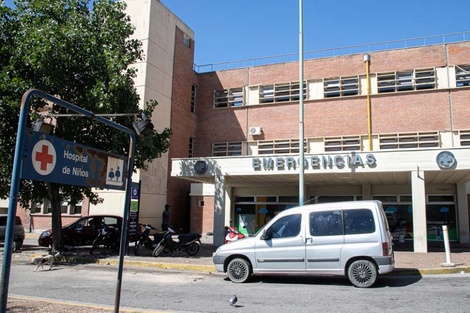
x: 406, y: 80
x: 227, y: 148
x: 191, y: 147
x: 342, y: 143
x: 280, y: 146
x: 281, y: 92
x: 232, y: 97
x: 462, y: 75
x: 464, y: 136
x: 409, y: 140
x: 340, y: 87
x: 193, y: 98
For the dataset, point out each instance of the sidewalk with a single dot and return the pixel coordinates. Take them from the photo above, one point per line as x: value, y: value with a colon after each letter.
x: 406, y: 261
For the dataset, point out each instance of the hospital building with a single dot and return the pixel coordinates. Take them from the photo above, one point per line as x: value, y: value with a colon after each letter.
x: 389, y: 122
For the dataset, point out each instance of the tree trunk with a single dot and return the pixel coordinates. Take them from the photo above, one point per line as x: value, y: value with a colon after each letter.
x: 56, y: 204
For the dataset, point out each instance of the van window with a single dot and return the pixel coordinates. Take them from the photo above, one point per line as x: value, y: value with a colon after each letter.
x: 287, y: 226
x: 359, y: 221
x: 326, y: 223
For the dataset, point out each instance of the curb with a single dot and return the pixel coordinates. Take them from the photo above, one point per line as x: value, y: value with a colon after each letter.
x: 161, y: 265
x: 211, y: 269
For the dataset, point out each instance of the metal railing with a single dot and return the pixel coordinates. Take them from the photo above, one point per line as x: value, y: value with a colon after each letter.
x: 330, y: 52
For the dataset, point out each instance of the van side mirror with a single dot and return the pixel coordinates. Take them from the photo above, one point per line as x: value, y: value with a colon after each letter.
x: 267, y: 234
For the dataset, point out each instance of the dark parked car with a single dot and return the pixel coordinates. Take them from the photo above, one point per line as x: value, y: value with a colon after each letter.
x: 82, y: 232
x: 18, y: 231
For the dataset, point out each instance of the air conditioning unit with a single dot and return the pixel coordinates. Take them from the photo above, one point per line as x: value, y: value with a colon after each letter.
x: 254, y: 131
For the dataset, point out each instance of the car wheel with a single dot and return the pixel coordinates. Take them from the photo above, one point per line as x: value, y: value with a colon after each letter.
x: 362, y: 273
x: 158, y: 249
x: 239, y: 270
x: 193, y: 249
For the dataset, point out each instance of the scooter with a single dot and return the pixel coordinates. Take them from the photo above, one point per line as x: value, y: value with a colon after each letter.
x: 232, y: 234
x: 190, y: 243
x: 108, y: 236
x: 145, y: 242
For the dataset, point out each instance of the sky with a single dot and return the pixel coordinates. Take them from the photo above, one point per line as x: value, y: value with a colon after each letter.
x: 235, y: 30
x: 245, y: 29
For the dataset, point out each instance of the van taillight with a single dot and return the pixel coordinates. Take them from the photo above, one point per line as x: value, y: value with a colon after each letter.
x: 385, y: 249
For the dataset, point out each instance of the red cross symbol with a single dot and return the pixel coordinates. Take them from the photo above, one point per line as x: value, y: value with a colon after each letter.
x: 44, y: 157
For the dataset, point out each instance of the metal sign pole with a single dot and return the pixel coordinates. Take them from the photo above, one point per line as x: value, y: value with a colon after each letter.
x: 15, y: 182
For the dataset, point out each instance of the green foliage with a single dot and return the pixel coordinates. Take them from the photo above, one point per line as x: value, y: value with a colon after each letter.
x: 80, y: 51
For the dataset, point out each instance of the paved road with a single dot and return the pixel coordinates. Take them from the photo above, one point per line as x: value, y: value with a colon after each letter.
x: 177, y: 291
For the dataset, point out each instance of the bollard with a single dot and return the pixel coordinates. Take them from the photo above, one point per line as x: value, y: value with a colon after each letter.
x: 448, y: 263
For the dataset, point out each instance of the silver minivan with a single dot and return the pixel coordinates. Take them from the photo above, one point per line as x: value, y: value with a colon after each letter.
x: 342, y: 238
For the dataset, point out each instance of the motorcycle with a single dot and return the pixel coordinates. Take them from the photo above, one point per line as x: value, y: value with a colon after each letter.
x: 190, y: 243
x: 108, y: 236
x: 145, y: 242
x: 232, y: 234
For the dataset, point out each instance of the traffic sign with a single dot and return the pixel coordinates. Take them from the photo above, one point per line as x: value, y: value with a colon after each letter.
x: 51, y: 159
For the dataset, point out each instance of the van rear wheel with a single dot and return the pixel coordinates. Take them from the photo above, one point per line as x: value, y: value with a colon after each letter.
x: 362, y: 273
x: 239, y: 270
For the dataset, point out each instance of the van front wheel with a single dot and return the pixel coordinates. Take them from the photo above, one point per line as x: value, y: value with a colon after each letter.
x: 239, y: 270
x: 362, y: 273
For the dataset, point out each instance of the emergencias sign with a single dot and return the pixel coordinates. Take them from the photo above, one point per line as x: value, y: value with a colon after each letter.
x: 353, y: 160
x: 48, y: 158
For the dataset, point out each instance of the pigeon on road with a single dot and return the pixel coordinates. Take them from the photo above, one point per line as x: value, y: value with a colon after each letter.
x: 233, y: 300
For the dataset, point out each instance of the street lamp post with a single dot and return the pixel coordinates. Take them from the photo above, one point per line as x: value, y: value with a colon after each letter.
x: 301, y: 105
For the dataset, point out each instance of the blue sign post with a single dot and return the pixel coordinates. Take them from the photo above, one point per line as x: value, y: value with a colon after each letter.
x: 43, y: 158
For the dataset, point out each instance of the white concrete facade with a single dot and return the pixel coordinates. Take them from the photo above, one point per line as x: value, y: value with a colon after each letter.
x: 155, y: 27
x: 424, y: 176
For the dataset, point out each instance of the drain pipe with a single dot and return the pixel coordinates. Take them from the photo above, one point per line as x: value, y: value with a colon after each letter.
x: 451, y: 113
x: 369, y: 110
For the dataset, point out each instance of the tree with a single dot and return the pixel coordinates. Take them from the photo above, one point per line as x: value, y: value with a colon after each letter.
x: 81, y: 52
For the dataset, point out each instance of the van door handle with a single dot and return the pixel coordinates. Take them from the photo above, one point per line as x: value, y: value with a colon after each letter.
x: 309, y: 240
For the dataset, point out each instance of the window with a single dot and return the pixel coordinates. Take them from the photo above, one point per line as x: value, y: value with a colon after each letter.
x: 36, y: 208
x: 464, y: 137
x: 191, y: 147
x: 64, y: 208
x: 280, y: 92
x: 340, y: 87
x: 359, y: 221
x: 326, y: 223
x: 193, y: 98
x: 409, y: 140
x: 76, y: 209
x: 233, y: 97
x: 287, y: 226
x: 406, y: 80
x: 227, y: 148
x: 47, y: 207
x: 462, y: 75
x: 186, y: 40
x: 425, y: 79
x: 343, y: 143
x: 280, y: 146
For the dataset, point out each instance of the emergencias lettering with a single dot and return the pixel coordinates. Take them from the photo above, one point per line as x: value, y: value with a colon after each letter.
x: 353, y: 160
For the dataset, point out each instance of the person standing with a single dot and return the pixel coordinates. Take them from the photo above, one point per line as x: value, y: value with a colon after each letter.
x: 166, y: 218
